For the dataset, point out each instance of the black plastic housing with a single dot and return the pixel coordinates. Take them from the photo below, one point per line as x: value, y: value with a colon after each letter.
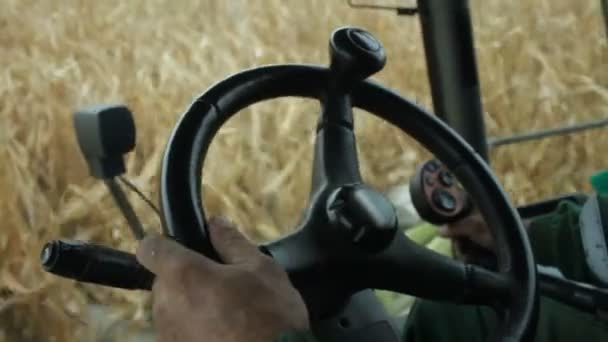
x: 105, y: 133
x: 96, y: 264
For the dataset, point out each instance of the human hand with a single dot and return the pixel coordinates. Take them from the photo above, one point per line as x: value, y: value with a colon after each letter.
x: 249, y: 298
x: 472, y: 227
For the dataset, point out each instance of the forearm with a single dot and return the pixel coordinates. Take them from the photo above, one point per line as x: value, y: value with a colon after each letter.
x: 556, y: 241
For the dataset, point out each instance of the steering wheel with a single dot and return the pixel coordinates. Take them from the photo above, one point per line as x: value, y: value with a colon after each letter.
x: 347, y: 242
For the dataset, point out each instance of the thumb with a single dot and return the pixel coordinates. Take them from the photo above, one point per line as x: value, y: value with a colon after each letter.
x: 231, y: 245
x: 444, y: 231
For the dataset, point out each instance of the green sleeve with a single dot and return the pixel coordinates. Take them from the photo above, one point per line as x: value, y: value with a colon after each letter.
x: 430, y: 321
x: 296, y: 336
x: 447, y: 322
x: 556, y: 241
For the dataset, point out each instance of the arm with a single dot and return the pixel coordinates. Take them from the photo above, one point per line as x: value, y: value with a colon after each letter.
x: 555, y: 238
x: 556, y: 241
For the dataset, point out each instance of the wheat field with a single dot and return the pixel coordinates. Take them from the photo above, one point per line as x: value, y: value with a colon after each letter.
x: 542, y: 63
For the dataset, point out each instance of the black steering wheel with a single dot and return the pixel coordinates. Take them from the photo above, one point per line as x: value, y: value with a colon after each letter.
x: 347, y: 243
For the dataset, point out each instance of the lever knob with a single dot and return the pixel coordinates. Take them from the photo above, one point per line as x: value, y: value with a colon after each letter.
x: 355, y: 55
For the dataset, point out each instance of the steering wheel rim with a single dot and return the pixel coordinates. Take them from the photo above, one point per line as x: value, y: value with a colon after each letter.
x: 183, y: 212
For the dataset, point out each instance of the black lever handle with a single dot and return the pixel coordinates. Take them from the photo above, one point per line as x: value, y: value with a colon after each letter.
x: 96, y: 264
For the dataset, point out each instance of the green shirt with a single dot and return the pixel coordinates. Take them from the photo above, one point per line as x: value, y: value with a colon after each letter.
x: 556, y: 242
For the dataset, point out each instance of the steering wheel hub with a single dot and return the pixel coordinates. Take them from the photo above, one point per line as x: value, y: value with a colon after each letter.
x: 362, y: 216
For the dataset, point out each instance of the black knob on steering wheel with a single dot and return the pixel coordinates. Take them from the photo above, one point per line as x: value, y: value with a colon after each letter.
x: 329, y: 268
x: 355, y: 55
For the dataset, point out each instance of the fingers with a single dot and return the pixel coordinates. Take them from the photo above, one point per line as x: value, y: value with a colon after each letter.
x: 232, y: 246
x: 472, y: 227
x: 471, y: 224
x: 163, y: 256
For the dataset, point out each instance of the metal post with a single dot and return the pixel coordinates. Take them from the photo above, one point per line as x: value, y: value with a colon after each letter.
x: 450, y: 54
x: 605, y: 14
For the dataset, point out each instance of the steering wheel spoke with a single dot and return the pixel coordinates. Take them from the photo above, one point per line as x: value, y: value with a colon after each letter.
x: 486, y: 286
x: 403, y: 268
x: 335, y: 160
x: 407, y: 267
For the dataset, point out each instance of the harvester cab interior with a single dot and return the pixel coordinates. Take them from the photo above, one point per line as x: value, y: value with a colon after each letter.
x: 347, y: 243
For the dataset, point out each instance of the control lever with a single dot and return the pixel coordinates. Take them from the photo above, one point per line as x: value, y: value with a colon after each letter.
x: 95, y: 264
x: 355, y: 54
